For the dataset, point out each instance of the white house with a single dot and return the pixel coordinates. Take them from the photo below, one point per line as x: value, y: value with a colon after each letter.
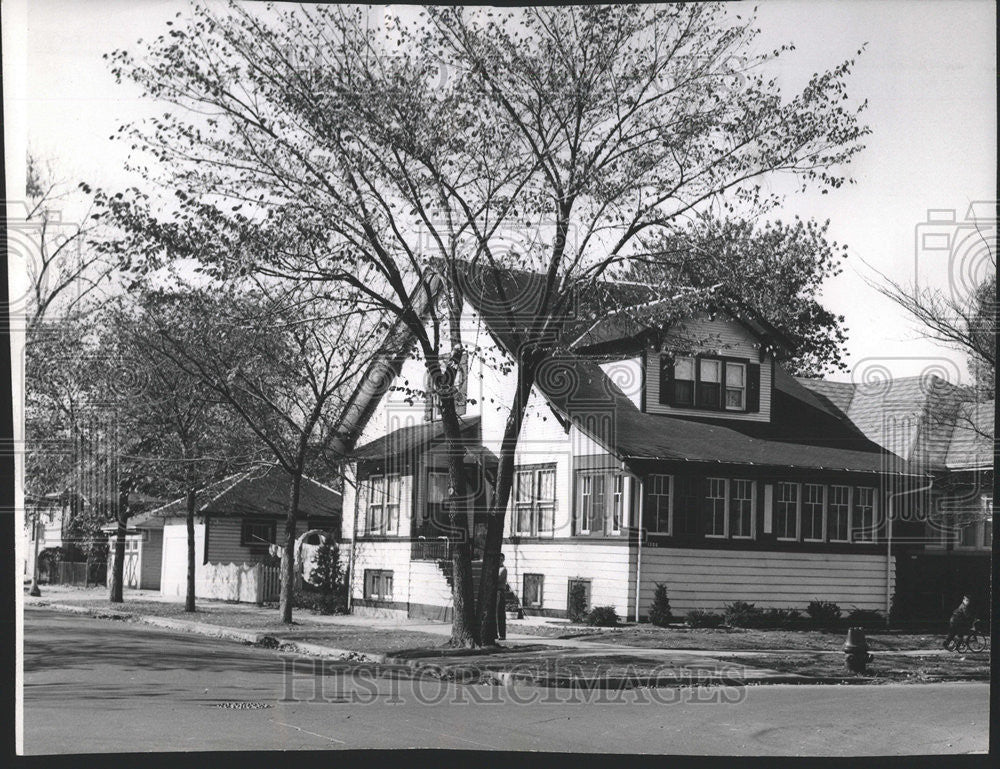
x: 685, y: 456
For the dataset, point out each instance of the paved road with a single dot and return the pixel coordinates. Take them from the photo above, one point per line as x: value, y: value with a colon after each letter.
x: 103, y: 686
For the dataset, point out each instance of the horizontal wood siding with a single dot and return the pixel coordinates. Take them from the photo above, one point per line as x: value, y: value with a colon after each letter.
x: 224, y: 540
x: 387, y: 555
x: 428, y: 585
x: 728, y: 338
x: 709, y: 579
x: 607, y: 566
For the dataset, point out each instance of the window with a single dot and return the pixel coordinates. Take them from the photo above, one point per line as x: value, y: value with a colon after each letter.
x: 534, y: 500
x: 787, y: 511
x: 532, y: 595
x: 736, y: 386
x: 838, y: 513
x: 684, y: 382
x: 378, y: 585
x: 741, y: 509
x: 812, y: 512
x: 618, y: 505
x: 257, y: 534
x: 709, y: 383
x: 656, y: 505
x: 384, y: 499
x: 864, y: 515
x: 686, y: 505
x: 591, y: 501
x: 715, y: 508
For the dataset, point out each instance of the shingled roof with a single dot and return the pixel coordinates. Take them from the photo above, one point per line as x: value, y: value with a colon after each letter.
x: 410, y: 438
x: 261, y: 493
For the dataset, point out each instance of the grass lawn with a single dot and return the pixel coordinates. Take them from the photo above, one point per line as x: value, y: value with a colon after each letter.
x: 885, y: 667
x: 731, y: 639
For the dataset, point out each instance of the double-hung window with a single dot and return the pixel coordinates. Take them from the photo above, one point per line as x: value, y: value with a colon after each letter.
x: 600, y: 503
x: 707, y: 382
x: 533, y: 591
x: 864, y: 515
x: 657, y: 503
x: 683, y: 383
x: 534, y: 500
x: 618, y: 505
x: 736, y: 386
x: 715, y: 508
x: 592, y: 496
x: 813, y: 502
x: 384, y: 501
x: 838, y: 513
x: 741, y: 508
x: 786, y: 512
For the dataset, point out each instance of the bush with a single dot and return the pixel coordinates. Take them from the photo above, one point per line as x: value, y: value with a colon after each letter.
x: 326, y: 571
x: 320, y: 603
x: 742, y: 614
x: 823, y: 612
x: 577, y: 608
x: 603, y: 616
x: 699, y: 618
x: 659, y: 612
x: 866, y: 618
x: 778, y: 618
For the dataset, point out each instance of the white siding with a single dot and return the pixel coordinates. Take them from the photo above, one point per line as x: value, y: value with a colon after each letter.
x: 717, y: 337
x: 224, y: 540
x: 709, y: 579
x: 392, y: 556
x: 173, y: 577
x: 607, y: 566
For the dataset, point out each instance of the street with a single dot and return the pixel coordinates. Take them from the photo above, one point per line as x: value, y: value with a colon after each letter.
x: 93, y: 686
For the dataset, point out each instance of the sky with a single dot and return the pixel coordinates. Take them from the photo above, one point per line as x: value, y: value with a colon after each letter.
x: 928, y: 72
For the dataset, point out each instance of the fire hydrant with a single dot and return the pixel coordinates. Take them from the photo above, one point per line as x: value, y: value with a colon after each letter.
x: 856, y: 650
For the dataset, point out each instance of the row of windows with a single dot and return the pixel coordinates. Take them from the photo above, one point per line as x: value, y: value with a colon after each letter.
x: 709, y: 382
x: 728, y: 509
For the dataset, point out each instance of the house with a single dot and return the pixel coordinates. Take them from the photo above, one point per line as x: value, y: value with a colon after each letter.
x: 237, y: 522
x: 944, y: 547
x: 685, y: 456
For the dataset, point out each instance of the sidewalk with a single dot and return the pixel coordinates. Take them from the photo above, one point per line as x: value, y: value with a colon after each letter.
x: 523, y: 657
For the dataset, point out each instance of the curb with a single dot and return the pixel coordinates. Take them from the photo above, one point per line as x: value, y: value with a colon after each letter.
x: 469, y: 673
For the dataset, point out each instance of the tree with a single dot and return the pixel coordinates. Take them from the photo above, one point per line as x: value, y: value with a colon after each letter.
x: 189, y: 438
x: 388, y: 149
x: 776, y: 269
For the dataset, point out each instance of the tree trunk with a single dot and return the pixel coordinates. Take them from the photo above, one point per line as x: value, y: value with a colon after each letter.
x: 189, y: 599
x: 488, y: 582
x: 288, y: 555
x: 118, y: 572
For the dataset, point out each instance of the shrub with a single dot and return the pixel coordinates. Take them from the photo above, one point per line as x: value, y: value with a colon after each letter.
x: 742, y: 614
x: 776, y: 618
x: 699, y: 618
x: 326, y: 571
x: 577, y: 608
x: 603, y: 616
x: 659, y: 612
x: 320, y: 603
x: 866, y: 618
x: 823, y: 612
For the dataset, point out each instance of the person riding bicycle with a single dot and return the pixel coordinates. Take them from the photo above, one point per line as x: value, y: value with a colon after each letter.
x: 961, y: 622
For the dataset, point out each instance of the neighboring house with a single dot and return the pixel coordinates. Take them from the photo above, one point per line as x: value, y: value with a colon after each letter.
x: 945, y: 543
x: 237, y: 521
x: 685, y: 456
x: 47, y: 519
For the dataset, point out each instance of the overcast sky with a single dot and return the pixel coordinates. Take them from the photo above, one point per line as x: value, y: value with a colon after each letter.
x: 928, y: 73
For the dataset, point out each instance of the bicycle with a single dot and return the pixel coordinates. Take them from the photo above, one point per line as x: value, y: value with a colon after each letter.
x: 973, y: 641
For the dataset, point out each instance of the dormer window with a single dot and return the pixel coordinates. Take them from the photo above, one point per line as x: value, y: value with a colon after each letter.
x: 709, y: 382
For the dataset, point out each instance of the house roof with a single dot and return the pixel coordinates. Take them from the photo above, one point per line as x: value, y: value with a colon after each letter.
x: 924, y: 420
x: 256, y: 492
x: 971, y: 445
x: 410, y: 438
x: 799, y: 435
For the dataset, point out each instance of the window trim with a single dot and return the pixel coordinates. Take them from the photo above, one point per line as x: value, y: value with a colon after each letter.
x: 541, y: 590
x: 822, y: 528
x: 670, y: 502
x: 798, y: 510
x: 753, y: 508
x: 536, y: 504
x: 855, y: 503
x: 383, y: 529
x: 828, y: 512
x: 370, y: 576
x: 272, y: 526
x: 695, y: 402
x: 588, y: 583
x: 725, y: 509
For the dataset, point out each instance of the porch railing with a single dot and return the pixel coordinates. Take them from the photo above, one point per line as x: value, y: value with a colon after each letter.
x: 428, y: 549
